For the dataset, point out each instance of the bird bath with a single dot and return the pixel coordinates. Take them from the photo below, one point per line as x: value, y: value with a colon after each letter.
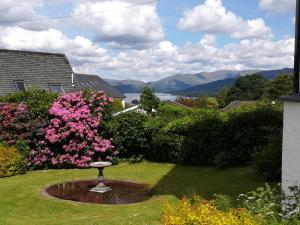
x: 101, y: 187
x: 100, y: 190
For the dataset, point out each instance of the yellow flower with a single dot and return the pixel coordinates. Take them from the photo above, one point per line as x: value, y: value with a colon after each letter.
x: 202, y: 212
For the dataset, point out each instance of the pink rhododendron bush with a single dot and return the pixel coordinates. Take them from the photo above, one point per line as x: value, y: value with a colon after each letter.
x: 73, y: 135
x: 18, y: 123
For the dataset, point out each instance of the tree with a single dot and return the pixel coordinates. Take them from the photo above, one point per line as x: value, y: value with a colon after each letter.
x: 148, y: 100
x: 208, y: 103
x: 281, y: 85
x: 249, y: 87
x: 223, y: 99
x: 117, y: 105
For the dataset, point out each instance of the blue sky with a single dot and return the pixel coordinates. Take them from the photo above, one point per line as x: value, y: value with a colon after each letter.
x: 147, y: 40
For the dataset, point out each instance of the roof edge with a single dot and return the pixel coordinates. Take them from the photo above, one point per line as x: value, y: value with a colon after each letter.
x: 32, y: 52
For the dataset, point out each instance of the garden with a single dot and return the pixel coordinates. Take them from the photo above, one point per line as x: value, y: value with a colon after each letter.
x: 202, y: 166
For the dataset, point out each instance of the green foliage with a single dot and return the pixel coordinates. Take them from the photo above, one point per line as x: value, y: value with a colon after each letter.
x: 129, y: 134
x: 223, y: 202
x: 208, y: 103
x: 281, y: 85
x: 204, y: 137
x: 148, y: 100
x: 212, y: 137
x: 117, y: 105
x: 267, y: 159
x: 165, y: 147
x: 249, y: 87
x: 23, y: 148
x: 39, y: 101
x: 223, y: 98
x: 11, y: 161
x: 168, y: 131
x: 244, y: 131
x: 264, y: 201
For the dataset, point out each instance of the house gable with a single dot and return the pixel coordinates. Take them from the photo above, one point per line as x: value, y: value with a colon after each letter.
x: 36, y: 69
x: 94, y: 82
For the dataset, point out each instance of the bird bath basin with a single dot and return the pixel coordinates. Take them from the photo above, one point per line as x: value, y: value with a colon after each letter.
x: 100, y: 190
x: 101, y: 187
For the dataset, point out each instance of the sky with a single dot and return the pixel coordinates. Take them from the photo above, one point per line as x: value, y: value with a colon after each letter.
x: 149, y: 40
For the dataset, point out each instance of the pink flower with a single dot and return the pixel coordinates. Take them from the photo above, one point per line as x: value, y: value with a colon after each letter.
x: 73, y: 134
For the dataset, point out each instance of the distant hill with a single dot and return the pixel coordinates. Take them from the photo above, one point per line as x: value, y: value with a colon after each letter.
x: 127, y: 86
x: 271, y: 74
x: 212, y: 88
x: 178, y: 82
x: 224, y: 74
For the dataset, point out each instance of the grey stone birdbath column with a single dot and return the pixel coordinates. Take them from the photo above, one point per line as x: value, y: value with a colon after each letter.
x: 101, y: 187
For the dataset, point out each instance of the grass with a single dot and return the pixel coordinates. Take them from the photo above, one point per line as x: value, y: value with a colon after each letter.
x: 21, y: 201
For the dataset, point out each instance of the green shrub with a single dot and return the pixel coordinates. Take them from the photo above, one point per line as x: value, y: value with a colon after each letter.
x: 264, y: 201
x: 165, y: 147
x: 23, y: 148
x: 129, y: 134
x: 223, y: 202
x: 39, y: 101
x: 117, y: 105
x: 245, y: 131
x: 267, y: 159
x: 204, y: 140
x: 11, y: 161
x: 201, y: 137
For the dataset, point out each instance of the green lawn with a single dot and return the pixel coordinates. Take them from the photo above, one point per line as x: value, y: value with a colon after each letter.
x: 21, y: 201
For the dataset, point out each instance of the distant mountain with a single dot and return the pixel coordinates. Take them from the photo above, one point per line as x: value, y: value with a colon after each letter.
x: 199, y: 83
x: 224, y: 74
x: 178, y: 82
x: 212, y: 88
x: 127, y: 86
x: 271, y: 74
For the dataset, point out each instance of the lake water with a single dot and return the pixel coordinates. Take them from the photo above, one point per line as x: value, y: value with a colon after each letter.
x: 162, y: 96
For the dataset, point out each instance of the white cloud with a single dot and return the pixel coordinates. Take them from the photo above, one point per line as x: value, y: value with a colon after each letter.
x: 277, y: 6
x: 16, y: 10
x: 168, y: 59
x: 158, y: 62
x: 121, y: 23
x: 79, y: 50
x: 212, y: 17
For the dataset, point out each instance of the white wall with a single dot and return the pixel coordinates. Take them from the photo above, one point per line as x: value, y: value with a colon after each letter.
x: 291, y: 146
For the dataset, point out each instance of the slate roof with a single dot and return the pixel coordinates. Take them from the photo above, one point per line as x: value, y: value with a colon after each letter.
x: 96, y: 83
x: 37, y: 69
x: 42, y: 69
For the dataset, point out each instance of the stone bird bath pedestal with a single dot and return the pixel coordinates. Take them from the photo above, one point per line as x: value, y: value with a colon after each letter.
x: 101, y: 187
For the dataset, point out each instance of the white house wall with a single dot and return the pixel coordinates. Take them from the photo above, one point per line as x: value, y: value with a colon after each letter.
x: 291, y: 146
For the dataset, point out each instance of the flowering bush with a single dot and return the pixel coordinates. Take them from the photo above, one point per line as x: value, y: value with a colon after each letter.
x: 39, y: 101
x: 17, y: 123
x: 205, y: 212
x: 72, y: 138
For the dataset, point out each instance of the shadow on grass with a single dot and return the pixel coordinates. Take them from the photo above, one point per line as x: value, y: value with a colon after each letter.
x: 206, y: 181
